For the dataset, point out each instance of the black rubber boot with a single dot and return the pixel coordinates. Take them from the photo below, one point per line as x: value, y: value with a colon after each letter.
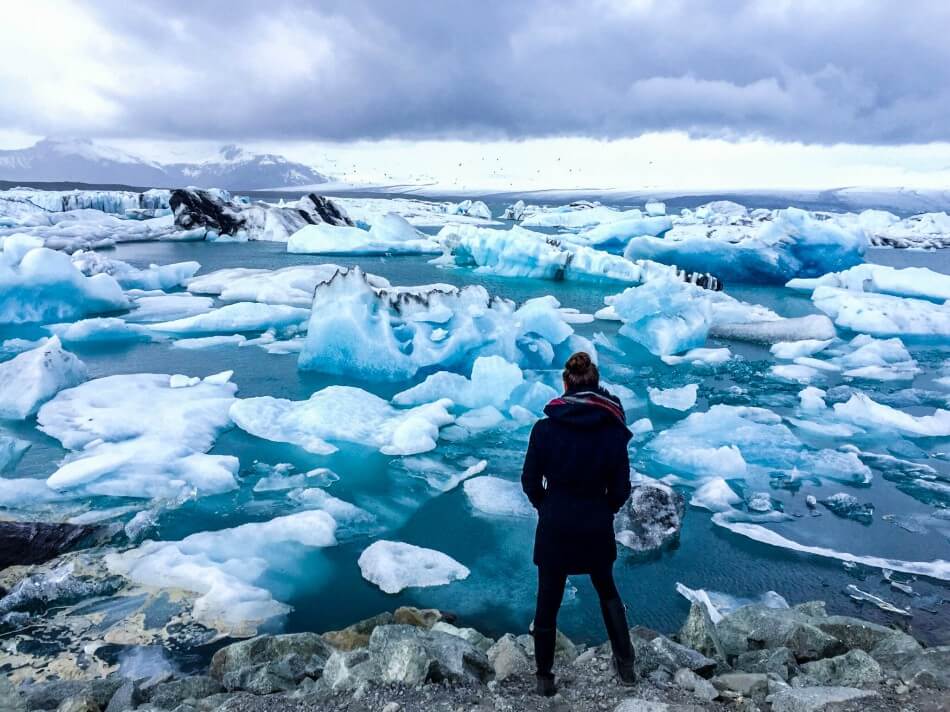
x: 544, y: 642
x: 615, y: 620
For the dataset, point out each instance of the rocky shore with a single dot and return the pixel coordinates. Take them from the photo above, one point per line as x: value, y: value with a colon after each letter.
x: 795, y: 659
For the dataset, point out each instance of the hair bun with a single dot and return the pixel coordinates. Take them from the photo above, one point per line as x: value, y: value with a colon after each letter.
x: 579, y: 363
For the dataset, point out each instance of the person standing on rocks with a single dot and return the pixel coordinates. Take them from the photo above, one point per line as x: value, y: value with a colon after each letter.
x: 577, y: 475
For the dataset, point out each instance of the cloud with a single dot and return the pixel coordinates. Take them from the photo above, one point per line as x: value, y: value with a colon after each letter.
x: 808, y: 71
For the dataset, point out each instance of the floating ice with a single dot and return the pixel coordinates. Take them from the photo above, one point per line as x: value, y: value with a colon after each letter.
x: 390, y: 235
x: 795, y: 349
x: 361, y: 330
x: 99, y: 330
x: 812, y: 399
x: 32, y: 378
x: 242, y: 316
x: 682, y: 398
x: 11, y: 450
x: 41, y: 285
x: 876, y: 359
x: 498, y: 497
x: 492, y: 382
x: 345, y: 414
x: 719, y: 605
x: 209, y: 342
x: 847, y: 506
x: 152, y: 307
x: 863, y: 411
x: 225, y: 567
x: 578, y: 215
x: 792, y: 243
x: 138, y: 435
x: 923, y: 231
x: 155, y: 277
x: 882, y: 314
x: 700, y: 357
x: 715, y: 495
x: 614, y: 236
x: 394, y: 565
x: 524, y: 253
x: 472, y: 208
x: 918, y: 282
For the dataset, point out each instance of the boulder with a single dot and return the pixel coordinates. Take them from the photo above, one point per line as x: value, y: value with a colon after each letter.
x: 419, y: 617
x: 929, y: 668
x: 896, y: 650
x: 79, y: 703
x: 637, y: 704
x: 564, y: 649
x: 672, y: 656
x: 746, y: 684
x: 700, y: 687
x: 270, y: 663
x: 49, y: 695
x: 10, y: 697
x: 815, y: 609
x: 755, y: 627
x: 171, y: 694
x: 853, y: 669
x: 508, y: 658
x: 482, y: 642
x: 127, y: 697
x: 699, y: 633
x: 412, y: 655
x: 816, y: 699
x: 854, y: 632
x: 356, y: 635
x: 778, y: 661
x: 348, y: 670
x: 37, y: 542
x: 651, y: 518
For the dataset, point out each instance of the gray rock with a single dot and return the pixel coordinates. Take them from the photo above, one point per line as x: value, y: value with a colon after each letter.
x: 413, y: 655
x: 420, y: 617
x: 347, y: 670
x: 747, y: 684
x: 853, y: 669
x: 49, y: 695
x: 270, y: 663
x: 482, y: 642
x: 755, y: 627
x: 356, y: 635
x: 651, y: 518
x: 171, y: 694
x: 699, y: 633
x: 815, y: 609
x: 10, y: 697
x: 508, y: 658
x: 637, y: 704
x: 700, y: 687
x: 816, y: 699
x: 854, y: 632
x: 896, y: 650
x: 79, y: 703
x: 564, y: 648
x: 930, y: 668
x: 770, y: 660
x: 673, y: 656
x: 126, y: 697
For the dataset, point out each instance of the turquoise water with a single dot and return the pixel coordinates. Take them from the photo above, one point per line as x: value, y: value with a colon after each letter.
x: 325, y: 586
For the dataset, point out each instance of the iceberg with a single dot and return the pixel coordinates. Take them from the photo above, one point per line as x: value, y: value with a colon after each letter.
x: 682, y: 398
x: 390, y: 235
x: 357, y: 328
x: 616, y: 235
x: 225, y: 567
x: 343, y: 413
x: 578, y: 215
x: 497, y: 497
x: 142, y: 435
x: 792, y: 243
x: 877, y: 359
x: 926, y: 231
x: 238, y: 317
x: 162, y: 277
x: 719, y: 605
x: 882, y: 314
x: 795, y: 349
x: 41, y: 285
x: 918, y: 282
x: 700, y: 357
x: 471, y: 208
x: 866, y: 413
x: 154, y: 307
x: 716, y: 495
x: 118, y: 202
x: 11, y: 450
x: 32, y: 378
x: 99, y: 330
x: 395, y: 565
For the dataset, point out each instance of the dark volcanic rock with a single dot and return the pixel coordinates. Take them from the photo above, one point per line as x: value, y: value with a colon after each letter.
x: 37, y: 542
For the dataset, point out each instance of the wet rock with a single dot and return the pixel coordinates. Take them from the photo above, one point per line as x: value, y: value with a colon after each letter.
x: 651, y: 518
x: 699, y: 633
x: 700, y: 687
x: 929, y: 668
x: 779, y: 661
x: 357, y: 635
x: 482, y: 642
x: 270, y: 663
x: 853, y: 669
x: 79, y: 703
x: 412, y: 655
x: 756, y: 627
x: 126, y: 697
x: 37, y: 542
x: 672, y: 656
x: 817, y: 699
x: 419, y: 617
x: 747, y: 684
x: 856, y: 633
x: 49, y: 695
x: 508, y: 658
x: 171, y: 694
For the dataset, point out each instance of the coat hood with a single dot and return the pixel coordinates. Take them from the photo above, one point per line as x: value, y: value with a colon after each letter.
x: 588, y: 409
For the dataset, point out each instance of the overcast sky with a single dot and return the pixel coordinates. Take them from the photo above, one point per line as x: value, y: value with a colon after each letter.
x: 328, y: 79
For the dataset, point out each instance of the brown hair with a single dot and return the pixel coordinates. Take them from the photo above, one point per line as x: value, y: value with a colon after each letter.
x: 580, y: 372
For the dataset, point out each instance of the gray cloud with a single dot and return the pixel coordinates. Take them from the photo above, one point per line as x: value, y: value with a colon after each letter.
x: 816, y: 72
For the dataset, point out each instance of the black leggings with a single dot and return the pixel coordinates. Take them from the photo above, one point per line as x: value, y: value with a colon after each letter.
x: 551, y: 583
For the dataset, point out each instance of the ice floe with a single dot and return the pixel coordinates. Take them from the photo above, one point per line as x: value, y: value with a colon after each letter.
x: 359, y: 329
x: 99, y: 330
x: 152, y: 307
x: 861, y: 410
x: 237, y: 317
x: 918, y: 282
x: 395, y: 565
x: 32, y: 378
x: 719, y: 604
x: 497, y: 497
x: 883, y: 314
x: 682, y: 398
x: 347, y: 414
x: 11, y: 450
x: 390, y: 235
x: 161, y: 277
x: 139, y: 435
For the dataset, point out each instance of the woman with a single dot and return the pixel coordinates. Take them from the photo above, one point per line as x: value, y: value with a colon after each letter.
x: 577, y: 475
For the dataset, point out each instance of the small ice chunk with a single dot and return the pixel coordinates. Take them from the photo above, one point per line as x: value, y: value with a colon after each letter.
x: 395, y: 565
x: 847, y: 506
x: 209, y: 342
x: 863, y: 411
x: 231, y: 318
x: 715, y: 495
x: 682, y: 398
x: 793, y: 349
x: 32, y: 378
x: 498, y: 497
x: 492, y: 382
x: 700, y: 357
x: 812, y: 399
x: 641, y: 427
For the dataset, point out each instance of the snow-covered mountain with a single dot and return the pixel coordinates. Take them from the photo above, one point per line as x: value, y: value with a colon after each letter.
x: 83, y: 161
